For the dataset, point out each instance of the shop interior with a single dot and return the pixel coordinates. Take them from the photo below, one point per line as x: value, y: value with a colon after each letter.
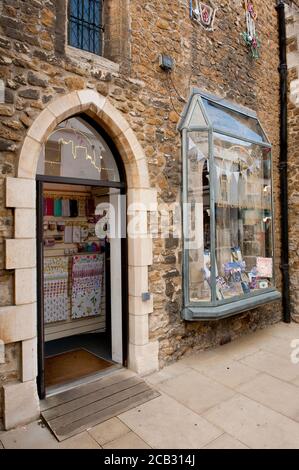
x: 76, y: 287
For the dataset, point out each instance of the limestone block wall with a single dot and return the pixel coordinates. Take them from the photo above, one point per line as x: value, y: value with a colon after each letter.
x: 292, y: 13
x: 143, y: 104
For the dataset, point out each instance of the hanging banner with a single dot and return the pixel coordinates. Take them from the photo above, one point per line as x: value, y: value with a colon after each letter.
x: 250, y: 36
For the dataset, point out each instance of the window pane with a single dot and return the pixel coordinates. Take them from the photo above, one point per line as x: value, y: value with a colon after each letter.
x: 85, y: 25
x: 87, y: 40
x: 233, y: 122
x: 76, y: 150
x: 197, y: 240
x: 86, y: 7
x: 73, y: 7
x: 244, y: 252
x: 197, y: 118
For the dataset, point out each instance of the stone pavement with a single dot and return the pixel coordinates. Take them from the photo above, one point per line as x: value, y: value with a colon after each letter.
x: 241, y: 395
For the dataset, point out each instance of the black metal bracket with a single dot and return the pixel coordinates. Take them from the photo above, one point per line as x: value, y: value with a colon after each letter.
x: 283, y: 68
x: 283, y: 165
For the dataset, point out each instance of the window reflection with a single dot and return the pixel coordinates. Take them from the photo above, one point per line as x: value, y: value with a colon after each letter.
x: 236, y: 123
x: 243, y: 218
x: 199, y: 217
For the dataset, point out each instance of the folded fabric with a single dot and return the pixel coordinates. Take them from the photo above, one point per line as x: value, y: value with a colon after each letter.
x: 65, y: 203
x: 49, y: 206
x: 74, y: 208
x: 56, y: 308
x: 87, y: 285
x: 57, y: 208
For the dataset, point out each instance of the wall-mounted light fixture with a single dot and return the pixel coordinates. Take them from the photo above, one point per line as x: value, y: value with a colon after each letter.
x: 166, y: 62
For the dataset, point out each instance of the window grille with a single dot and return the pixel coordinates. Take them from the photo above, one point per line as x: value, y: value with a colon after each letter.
x: 85, y: 28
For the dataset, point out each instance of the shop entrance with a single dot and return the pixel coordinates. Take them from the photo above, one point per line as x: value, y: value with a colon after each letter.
x: 81, y: 249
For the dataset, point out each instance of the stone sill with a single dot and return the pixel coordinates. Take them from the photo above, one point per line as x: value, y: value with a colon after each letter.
x: 92, y: 59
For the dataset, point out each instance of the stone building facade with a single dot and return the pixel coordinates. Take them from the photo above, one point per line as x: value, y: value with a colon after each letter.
x: 292, y: 13
x: 139, y: 106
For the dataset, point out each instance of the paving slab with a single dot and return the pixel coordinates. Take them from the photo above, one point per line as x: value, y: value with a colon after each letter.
x: 199, y: 356
x: 167, y: 373
x: 296, y: 382
x: 128, y: 441
x: 226, y: 371
x: 279, y: 346
x: 33, y: 436
x: 108, y: 431
x: 242, y: 394
x: 273, y: 393
x: 163, y: 423
x: 196, y: 391
x: 81, y: 441
x: 272, y: 364
x: 225, y: 442
x: 285, y: 330
x: 255, y: 425
x: 241, y: 347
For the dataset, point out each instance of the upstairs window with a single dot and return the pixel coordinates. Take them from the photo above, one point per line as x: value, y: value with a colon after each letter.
x: 85, y: 25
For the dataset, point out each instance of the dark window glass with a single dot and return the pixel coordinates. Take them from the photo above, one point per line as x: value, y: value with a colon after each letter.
x: 85, y: 25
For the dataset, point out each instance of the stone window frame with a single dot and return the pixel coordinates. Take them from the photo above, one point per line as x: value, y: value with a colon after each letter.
x: 116, y: 43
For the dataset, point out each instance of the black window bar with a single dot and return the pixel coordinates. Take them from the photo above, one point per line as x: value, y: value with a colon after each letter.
x: 85, y: 29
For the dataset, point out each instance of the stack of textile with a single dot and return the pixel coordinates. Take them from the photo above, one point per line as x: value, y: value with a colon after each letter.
x: 55, y: 289
x: 87, y: 285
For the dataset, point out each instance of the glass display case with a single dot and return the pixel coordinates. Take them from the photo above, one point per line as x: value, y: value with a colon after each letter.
x: 227, y: 210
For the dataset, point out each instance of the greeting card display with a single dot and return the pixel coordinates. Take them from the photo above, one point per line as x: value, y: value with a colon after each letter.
x: 264, y: 267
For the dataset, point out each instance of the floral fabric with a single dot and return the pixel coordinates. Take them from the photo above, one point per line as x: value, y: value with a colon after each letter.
x: 87, y: 285
x: 55, y: 289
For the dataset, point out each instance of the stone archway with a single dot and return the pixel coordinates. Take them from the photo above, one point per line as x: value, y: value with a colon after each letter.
x: 19, y: 321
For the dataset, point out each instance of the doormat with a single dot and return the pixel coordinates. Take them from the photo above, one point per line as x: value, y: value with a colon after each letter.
x: 76, y: 410
x: 72, y: 365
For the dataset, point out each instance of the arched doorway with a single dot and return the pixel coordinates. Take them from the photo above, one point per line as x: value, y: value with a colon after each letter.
x: 82, y: 253
x: 20, y: 251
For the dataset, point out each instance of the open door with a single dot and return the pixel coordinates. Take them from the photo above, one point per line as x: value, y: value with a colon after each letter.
x: 40, y: 292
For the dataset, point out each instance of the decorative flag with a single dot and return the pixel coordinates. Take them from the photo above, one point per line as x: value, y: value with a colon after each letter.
x: 203, y: 13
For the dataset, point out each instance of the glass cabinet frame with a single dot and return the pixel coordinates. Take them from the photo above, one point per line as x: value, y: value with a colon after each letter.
x: 210, y: 118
